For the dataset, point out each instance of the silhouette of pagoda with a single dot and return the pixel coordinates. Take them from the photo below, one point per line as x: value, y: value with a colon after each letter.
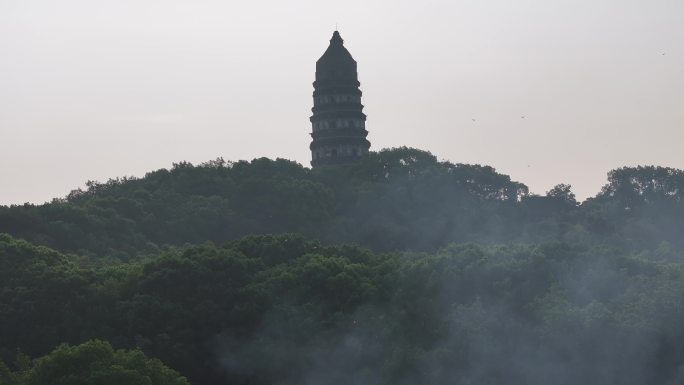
x: 338, y: 123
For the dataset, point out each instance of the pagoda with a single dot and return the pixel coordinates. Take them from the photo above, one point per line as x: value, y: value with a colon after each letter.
x: 338, y: 122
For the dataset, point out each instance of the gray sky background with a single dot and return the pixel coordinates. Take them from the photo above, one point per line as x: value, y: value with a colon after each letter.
x: 91, y: 90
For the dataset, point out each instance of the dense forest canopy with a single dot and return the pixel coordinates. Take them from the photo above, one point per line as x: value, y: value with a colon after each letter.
x: 401, y: 269
x: 396, y: 199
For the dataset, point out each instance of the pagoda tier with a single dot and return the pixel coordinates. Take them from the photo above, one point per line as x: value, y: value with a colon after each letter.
x: 338, y: 122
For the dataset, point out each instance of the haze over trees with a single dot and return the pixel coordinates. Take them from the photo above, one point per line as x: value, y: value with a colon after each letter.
x: 400, y: 269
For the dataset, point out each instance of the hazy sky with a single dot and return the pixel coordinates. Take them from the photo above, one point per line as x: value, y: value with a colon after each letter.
x: 91, y: 90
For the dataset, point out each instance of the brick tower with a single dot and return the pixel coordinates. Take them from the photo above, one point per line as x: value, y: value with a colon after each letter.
x: 338, y: 122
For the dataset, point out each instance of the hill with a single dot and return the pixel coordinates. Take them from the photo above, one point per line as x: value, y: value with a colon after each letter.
x: 395, y: 199
x: 400, y: 269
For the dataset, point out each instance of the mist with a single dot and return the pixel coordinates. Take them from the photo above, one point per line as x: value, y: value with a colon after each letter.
x: 471, y: 315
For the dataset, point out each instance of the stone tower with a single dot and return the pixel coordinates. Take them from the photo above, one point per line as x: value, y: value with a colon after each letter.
x: 338, y: 122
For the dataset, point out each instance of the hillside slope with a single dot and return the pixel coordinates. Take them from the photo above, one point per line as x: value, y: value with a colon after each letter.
x: 394, y: 200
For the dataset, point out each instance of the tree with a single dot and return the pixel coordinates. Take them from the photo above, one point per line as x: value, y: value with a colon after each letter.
x: 6, y: 375
x: 96, y: 363
x: 563, y: 193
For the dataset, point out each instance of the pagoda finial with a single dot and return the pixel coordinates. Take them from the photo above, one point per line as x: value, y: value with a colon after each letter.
x: 336, y: 38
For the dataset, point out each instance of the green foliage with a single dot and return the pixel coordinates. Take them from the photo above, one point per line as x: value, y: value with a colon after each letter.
x: 97, y: 363
x: 6, y: 375
x: 35, y: 277
x: 461, y: 277
x: 284, y: 309
x: 393, y: 200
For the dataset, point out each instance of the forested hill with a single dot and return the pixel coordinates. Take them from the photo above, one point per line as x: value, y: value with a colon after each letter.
x: 396, y: 199
x: 242, y: 274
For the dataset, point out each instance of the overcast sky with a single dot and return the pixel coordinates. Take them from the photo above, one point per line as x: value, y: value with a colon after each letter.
x: 547, y: 91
